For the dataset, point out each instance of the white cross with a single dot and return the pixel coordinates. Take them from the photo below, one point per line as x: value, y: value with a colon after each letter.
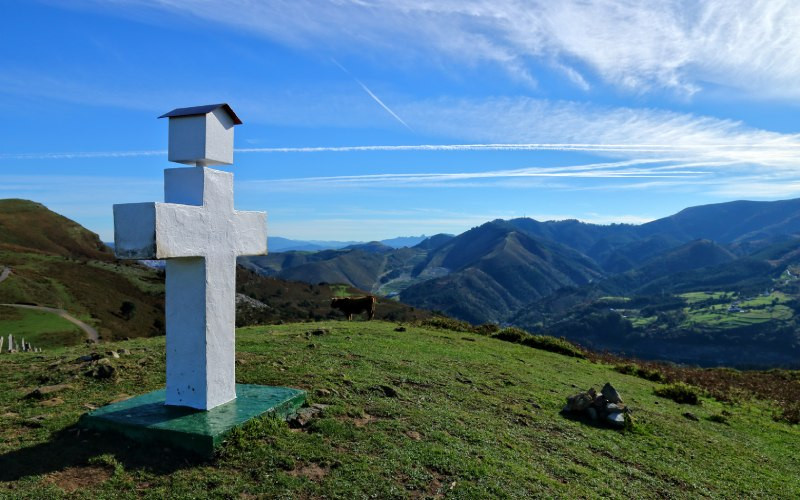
x: 200, y: 234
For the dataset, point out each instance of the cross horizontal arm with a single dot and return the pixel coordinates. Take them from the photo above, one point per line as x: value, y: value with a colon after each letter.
x: 251, y: 233
x: 169, y: 230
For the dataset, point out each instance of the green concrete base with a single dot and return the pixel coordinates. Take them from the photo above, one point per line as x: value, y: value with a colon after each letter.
x: 146, y: 418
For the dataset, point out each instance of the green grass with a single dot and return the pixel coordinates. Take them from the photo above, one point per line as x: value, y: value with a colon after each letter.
x: 640, y: 322
x: 614, y: 299
x: 693, y: 297
x: 140, y: 276
x: 72, y: 285
x: 340, y: 290
x: 474, y: 417
x: 40, y: 329
x: 758, y: 309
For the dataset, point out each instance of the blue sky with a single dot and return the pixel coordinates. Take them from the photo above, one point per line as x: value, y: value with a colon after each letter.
x: 366, y: 120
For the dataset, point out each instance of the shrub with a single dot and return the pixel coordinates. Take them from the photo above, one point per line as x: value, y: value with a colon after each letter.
x: 680, y: 393
x: 789, y: 414
x: 511, y: 334
x: 648, y: 374
x: 627, y: 369
x: 720, y: 419
x: 447, y: 324
x: 652, y: 375
x: 486, y: 329
x: 553, y: 344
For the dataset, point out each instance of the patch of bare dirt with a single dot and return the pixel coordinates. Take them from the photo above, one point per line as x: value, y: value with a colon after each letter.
x: 121, y: 397
x: 310, y: 471
x: 416, y: 436
x: 74, y: 478
x: 52, y: 402
x: 365, y: 419
x: 438, y: 487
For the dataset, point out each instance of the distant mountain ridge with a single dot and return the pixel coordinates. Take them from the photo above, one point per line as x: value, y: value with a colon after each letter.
x: 513, y: 271
x: 279, y: 244
x: 729, y: 230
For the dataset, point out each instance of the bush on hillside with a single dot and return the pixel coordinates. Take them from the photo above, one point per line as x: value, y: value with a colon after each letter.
x: 486, y: 329
x: 637, y: 371
x: 553, y: 344
x: 511, y: 334
x: 444, y: 323
x: 680, y: 393
x: 790, y: 413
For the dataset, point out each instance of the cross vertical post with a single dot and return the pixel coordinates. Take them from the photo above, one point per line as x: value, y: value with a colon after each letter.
x: 200, y: 234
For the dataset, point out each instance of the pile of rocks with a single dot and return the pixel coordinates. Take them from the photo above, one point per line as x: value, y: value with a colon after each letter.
x: 607, y: 406
x: 100, y: 366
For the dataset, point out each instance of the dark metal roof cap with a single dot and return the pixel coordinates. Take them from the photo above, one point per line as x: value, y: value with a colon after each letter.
x: 201, y: 110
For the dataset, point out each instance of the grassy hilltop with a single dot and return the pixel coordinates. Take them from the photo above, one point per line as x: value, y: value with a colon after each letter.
x: 417, y: 413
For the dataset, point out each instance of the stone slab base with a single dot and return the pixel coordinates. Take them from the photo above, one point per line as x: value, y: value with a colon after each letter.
x: 146, y: 418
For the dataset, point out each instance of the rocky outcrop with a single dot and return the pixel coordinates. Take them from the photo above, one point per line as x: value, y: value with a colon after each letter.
x: 605, y: 407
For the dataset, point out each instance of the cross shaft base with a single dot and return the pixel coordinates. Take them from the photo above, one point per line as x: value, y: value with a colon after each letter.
x: 147, y: 418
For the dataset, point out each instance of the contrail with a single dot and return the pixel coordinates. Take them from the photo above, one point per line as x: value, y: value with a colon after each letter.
x: 623, y: 169
x: 371, y: 94
x: 788, y: 149
x: 79, y: 155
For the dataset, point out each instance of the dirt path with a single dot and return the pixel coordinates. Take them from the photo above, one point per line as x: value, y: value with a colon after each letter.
x: 5, y: 273
x: 91, y: 333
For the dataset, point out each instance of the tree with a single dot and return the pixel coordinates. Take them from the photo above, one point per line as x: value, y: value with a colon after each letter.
x: 127, y: 310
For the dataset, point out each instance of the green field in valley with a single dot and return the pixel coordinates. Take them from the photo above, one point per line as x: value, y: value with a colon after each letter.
x: 720, y: 311
x: 415, y: 413
x: 39, y: 328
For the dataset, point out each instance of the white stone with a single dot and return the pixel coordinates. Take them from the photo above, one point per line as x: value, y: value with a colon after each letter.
x: 2, y: 339
x: 617, y: 419
x: 200, y: 233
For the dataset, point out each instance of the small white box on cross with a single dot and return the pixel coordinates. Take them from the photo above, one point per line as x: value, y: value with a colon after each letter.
x: 202, y: 135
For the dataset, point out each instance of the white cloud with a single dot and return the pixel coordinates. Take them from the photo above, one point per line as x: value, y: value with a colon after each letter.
x: 749, y: 45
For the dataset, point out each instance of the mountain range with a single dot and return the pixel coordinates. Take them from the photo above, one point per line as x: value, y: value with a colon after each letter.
x: 279, y: 244
x: 530, y: 273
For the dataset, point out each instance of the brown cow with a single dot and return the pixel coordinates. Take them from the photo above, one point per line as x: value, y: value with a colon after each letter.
x: 355, y: 305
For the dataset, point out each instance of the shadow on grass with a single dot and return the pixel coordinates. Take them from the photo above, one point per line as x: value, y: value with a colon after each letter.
x: 75, y: 447
x: 598, y: 423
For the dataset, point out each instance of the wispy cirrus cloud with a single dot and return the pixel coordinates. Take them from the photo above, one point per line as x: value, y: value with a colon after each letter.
x: 748, y: 45
x: 526, y: 124
x: 673, y: 149
x: 635, y: 169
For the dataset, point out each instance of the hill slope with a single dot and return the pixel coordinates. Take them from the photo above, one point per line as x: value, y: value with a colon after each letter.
x: 415, y: 413
x: 494, y: 270
x: 30, y: 226
x: 56, y: 262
